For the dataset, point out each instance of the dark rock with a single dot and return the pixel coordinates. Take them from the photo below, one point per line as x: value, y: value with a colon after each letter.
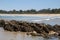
x: 40, y: 28
x: 2, y: 23
x: 17, y: 26
x: 56, y: 27
x: 36, y: 28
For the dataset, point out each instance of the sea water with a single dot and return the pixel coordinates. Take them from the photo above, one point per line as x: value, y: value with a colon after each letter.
x: 6, y: 35
x: 38, y: 19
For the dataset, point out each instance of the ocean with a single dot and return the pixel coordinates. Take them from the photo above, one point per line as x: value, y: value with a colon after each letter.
x: 38, y: 19
x: 6, y: 35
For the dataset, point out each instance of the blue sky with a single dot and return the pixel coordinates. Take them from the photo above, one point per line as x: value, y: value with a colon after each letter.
x: 28, y: 4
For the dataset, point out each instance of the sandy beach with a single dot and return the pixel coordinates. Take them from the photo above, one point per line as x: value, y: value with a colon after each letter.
x: 29, y: 14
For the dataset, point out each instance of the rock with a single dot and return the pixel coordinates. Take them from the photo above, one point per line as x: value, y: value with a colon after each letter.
x: 2, y: 23
x: 50, y: 27
x: 52, y: 33
x: 8, y: 27
x: 43, y: 27
x: 56, y: 27
x: 16, y: 26
x: 58, y: 32
x: 34, y: 29
x: 27, y: 27
x: 33, y: 33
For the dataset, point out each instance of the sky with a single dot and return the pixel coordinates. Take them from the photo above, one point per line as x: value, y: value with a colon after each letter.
x: 28, y: 4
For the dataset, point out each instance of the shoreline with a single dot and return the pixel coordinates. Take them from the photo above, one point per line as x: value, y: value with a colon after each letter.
x: 51, y: 15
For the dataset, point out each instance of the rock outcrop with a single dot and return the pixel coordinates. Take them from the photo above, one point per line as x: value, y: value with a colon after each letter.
x: 40, y: 28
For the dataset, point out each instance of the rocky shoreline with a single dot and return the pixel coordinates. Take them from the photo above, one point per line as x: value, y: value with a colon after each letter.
x: 34, y: 29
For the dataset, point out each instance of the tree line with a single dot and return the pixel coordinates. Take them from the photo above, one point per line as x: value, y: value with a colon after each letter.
x: 32, y: 11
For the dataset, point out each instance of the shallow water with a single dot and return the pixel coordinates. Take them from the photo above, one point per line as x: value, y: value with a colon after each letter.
x: 6, y: 35
x: 38, y: 19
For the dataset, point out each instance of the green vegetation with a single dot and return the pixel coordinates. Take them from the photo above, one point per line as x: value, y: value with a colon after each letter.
x: 32, y: 11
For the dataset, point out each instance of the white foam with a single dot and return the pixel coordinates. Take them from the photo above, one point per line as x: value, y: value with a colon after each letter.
x: 47, y: 19
x: 40, y: 20
x: 36, y: 20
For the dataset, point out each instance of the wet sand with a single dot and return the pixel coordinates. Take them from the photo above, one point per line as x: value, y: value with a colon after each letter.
x: 29, y: 14
x: 7, y: 35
